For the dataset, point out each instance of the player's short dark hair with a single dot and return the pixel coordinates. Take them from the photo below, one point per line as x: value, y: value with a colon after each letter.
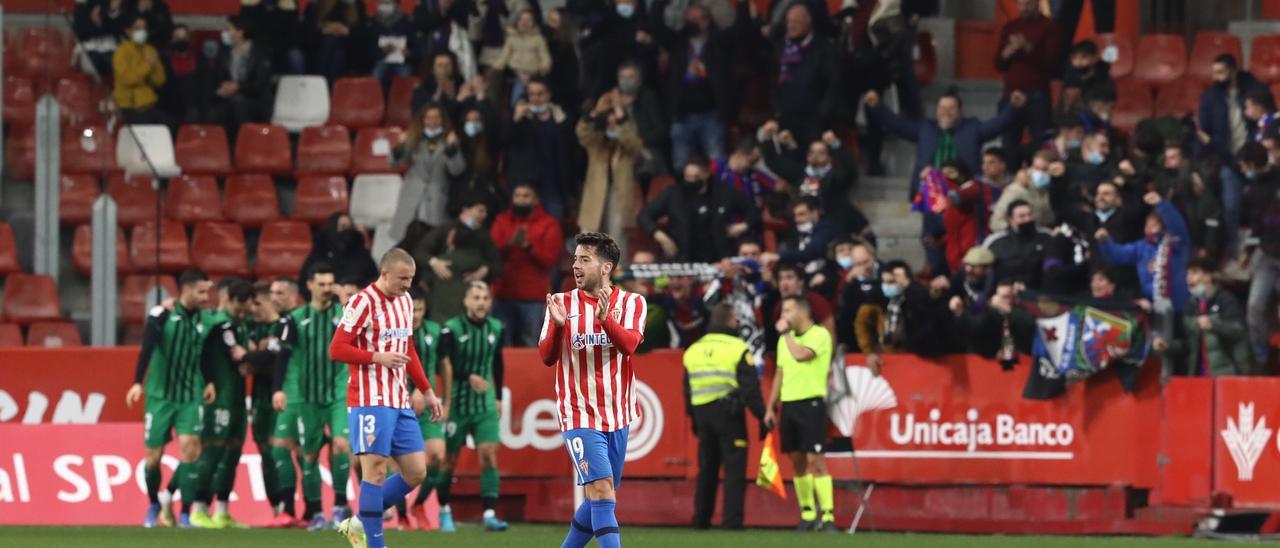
x: 1202, y: 264
x: 800, y: 301
x: 292, y: 283
x: 1008, y: 212
x: 262, y: 289
x: 810, y: 202
x: 606, y: 249
x: 1262, y: 97
x: 191, y: 276
x: 417, y: 294
x: 1228, y: 60
x: 1084, y: 47
x: 896, y: 264
x: 239, y: 290
x: 226, y: 282
x: 319, y: 267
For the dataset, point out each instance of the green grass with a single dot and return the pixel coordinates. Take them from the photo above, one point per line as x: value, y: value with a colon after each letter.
x: 545, y: 535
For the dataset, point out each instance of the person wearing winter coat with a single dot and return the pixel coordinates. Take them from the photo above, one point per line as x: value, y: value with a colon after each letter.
x: 431, y: 151
x: 530, y: 242
x: 525, y: 53
x: 1216, y: 341
x: 608, y: 192
x: 1160, y: 258
x: 453, y: 255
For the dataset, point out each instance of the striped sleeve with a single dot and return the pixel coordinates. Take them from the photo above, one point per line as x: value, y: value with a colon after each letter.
x: 356, y: 315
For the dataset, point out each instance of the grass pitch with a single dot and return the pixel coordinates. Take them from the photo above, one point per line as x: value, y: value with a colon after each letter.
x: 542, y: 535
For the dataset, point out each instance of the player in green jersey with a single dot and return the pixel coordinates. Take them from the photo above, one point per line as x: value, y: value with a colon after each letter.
x: 471, y: 345
x: 178, y: 379
x: 426, y: 339
x: 264, y: 335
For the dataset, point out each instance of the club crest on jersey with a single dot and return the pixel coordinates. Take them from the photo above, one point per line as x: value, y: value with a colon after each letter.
x: 582, y: 465
x: 617, y: 314
x: 368, y: 440
x: 583, y: 340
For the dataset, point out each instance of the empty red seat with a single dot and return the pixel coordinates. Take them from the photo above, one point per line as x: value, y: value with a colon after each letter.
x: 324, y: 149
x: 320, y: 196
x: 10, y: 335
x: 8, y: 251
x: 263, y: 148
x: 53, y: 335
x: 20, y: 153
x: 45, y: 53
x: 173, y: 252
x: 1208, y: 46
x: 282, y: 248
x: 1162, y: 58
x: 134, y: 292
x: 251, y: 200
x: 356, y: 102
x: 1264, y: 57
x: 194, y: 199
x: 400, y: 100
x: 1133, y: 104
x: 926, y: 58
x: 203, y: 150
x: 19, y: 101
x: 82, y: 251
x: 218, y: 249
x: 135, y: 197
x: 88, y: 149
x: 31, y: 298
x: 1179, y: 98
x: 372, y: 151
x: 76, y: 194
x: 78, y: 99
x: 1119, y: 45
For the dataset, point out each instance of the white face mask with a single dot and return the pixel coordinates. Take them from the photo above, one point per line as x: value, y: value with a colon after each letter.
x: 626, y: 10
x: 386, y: 10
x: 472, y: 128
x: 537, y: 109
x: 805, y: 227
x: 139, y: 36
x: 226, y: 38
x: 433, y: 132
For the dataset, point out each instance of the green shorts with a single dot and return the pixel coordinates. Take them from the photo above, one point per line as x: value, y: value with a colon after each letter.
x: 430, y: 430
x: 305, y: 422
x: 162, y: 416
x: 483, y: 428
x: 264, y: 420
x: 223, y: 421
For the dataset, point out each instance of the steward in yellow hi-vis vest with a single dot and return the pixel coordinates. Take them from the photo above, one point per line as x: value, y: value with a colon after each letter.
x: 720, y: 380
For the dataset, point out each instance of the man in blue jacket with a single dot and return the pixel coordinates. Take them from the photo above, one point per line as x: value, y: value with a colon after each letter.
x: 1224, y: 129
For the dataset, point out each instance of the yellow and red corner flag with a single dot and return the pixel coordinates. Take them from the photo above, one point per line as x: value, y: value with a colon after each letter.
x: 770, y: 476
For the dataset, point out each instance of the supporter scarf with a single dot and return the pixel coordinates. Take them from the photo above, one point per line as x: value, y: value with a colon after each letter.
x: 946, y: 150
x: 892, y: 319
x: 932, y: 196
x: 792, y: 55
x: 696, y: 71
x: 1160, y: 270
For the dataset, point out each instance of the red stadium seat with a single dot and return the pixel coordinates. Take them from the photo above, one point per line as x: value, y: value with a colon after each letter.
x: 218, y: 249
x: 1179, y: 98
x: 1133, y: 104
x: 926, y: 58
x: 1264, y: 57
x: 134, y: 292
x: 31, y: 298
x: 45, y: 53
x: 8, y: 251
x: 356, y: 103
x: 203, y: 150
x: 19, y: 101
x: 324, y: 149
x: 194, y: 199
x: 20, y: 153
x: 54, y: 335
x: 174, y: 255
x: 372, y: 152
x: 88, y: 149
x: 251, y: 200
x: 282, y: 248
x: 1207, y: 46
x: 135, y: 197
x: 320, y: 196
x: 82, y: 251
x: 78, y: 99
x: 1123, y: 44
x: 10, y: 335
x: 263, y: 148
x: 400, y: 101
x: 76, y: 194
x: 1162, y: 58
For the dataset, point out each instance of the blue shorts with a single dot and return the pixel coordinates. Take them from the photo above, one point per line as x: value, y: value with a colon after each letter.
x: 596, y: 455
x: 382, y: 430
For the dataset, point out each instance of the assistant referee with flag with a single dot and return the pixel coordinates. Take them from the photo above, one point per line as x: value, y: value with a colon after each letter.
x: 720, y: 379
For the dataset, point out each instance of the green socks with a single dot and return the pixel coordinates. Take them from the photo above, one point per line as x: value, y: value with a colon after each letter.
x: 340, y: 466
x: 310, y: 480
x: 188, y: 474
x: 804, y: 495
x: 444, y: 483
x: 822, y: 486
x: 153, y: 484
x: 489, y: 483
x: 224, y: 478
x: 429, y: 485
x: 286, y: 474
x: 211, y: 460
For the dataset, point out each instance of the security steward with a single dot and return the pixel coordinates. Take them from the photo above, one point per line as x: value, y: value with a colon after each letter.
x: 720, y: 379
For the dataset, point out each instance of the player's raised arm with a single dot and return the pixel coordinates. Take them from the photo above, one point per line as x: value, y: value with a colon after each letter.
x: 549, y: 344
x: 626, y: 330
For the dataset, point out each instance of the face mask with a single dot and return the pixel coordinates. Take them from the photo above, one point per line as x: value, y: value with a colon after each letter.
x: 805, y: 227
x: 181, y: 46
x: 1251, y: 175
x: 1026, y: 229
x: 1095, y: 158
x: 626, y: 10
x: 611, y: 134
x: 433, y: 132
x: 817, y: 172
x: 1106, y: 213
x: 139, y: 36
x: 522, y: 210
x: 1222, y: 85
x: 471, y: 223
x: 1039, y: 179
x: 1199, y: 290
x: 386, y: 10
x: 628, y: 85
x: 537, y: 109
x: 472, y: 128
x: 696, y: 183
x: 845, y: 262
x: 1105, y: 117
x: 890, y: 290
x: 226, y: 38
x: 1073, y: 144
x: 210, y: 49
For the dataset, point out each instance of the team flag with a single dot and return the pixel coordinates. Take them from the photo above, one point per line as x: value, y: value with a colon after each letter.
x: 932, y: 196
x: 770, y: 476
x: 1081, y: 342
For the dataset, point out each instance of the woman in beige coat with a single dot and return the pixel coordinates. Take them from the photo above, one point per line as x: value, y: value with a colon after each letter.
x: 609, y: 190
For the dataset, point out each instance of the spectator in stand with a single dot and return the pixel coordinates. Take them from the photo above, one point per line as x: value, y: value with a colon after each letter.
x: 685, y: 311
x: 613, y: 38
x: 431, y: 150
x: 965, y: 218
x: 806, y: 85
x: 1180, y: 183
x: 1074, y: 184
x: 1030, y: 185
x: 159, y: 21
x: 904, y: 323
x: 973, y: 284
x: 443, y: 24
x: 1123, y: 221
x: 1098, y: 103
x: 525, y: 53
x: 1021, y: 250
x: 279, y: 28
x: 244, y: 92
x: 389, y: 40
x: 1224, y: 130
x: 739, y: 173
x: 827, y: 173
x: 139, y: 73
x: 529, y: 241
x: 997, y: 328
x: 540, y: 147
x: 876, y: 44
x: 1066, y: 144
x: 1160, y: 260
x: 98, y: 31
x: 1106, y: 286
x: 1027, y: 56
x: 813, y: 234
x: 327, y: 32
x: 1086, y: 73
x: 792, y: 282
x: 704, y: 219
x: 480, y: 147
x: 339, y: 244
x: 565, y: 77
x: 1260, y: 110
x: 861, y: 286
x: 642, y: 106
x: 995, y: 169
x: 182, y: 96
x: 1216, y: 342
x: 457, y: 254
x: 608, y: 193
x: 442, y: 84
x: 1263, y: 221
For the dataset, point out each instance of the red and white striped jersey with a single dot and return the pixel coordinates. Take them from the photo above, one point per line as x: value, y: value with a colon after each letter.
x: 379, y: 324
x: 594, y: 378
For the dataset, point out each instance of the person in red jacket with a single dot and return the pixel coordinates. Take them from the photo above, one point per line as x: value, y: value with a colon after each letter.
x: 530, y: 242
x: 965, y: 216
